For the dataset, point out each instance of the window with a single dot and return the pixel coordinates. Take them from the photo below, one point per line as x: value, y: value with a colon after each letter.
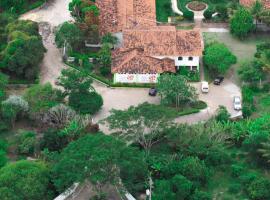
x: 180, y: 58
x: 190, y: 58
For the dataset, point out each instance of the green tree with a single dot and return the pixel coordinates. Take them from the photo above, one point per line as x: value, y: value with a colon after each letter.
x: 22, y: 56
x: 259, y: 189
x: 69, y: 34
x: 24, y: 180
x: 218, y: 58
x: 13, y: 108
x: 265, y: 16
x: 75, y: 81
x: 193, y: 169
x: 143, y: 124
x: 93, y: 158
x: 85, y: 102
x: 252, y: 72
x: 3, y: 84
x: 223, y: 115
x: 182, y: 187
x: 27, y: 142
x: 175, y: 90
x: 41, y: 98
x: 256, y: 10
x: 109, y: 39
x: 105, y: 55
x: 163, y: 190
x: 241, y: 23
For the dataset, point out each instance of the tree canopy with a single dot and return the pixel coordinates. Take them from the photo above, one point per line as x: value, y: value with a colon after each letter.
x: 175, y: 89
x: 25, y: 180
x: 95, y: 158
x: 241, y: 23
x: 218, y: 58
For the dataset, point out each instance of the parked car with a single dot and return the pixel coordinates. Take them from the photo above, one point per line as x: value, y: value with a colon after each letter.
x: 152, y: 92
x: 205, y: 87
x: 237, y: 103
x: 218, y: 80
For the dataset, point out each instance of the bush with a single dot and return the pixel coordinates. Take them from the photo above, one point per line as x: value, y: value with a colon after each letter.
x: 208, y: 14
x: 234, y: 188
x: 200, y: 195
x: 3, y: 145
x: 105, y: 71
x: 195, y: 170
x: 259, y: 189
x: 52, y: 141
x: 237, y: 170
x: 223, y: 115
x: 248, y: 101
x: 181, y: 186
x: 27, y: 141
x: 218, y: 58
x: 246, y: 179
x: 86, y: 102
x: 3, y: 158
x: 188, y: 14
x: 222, y: 11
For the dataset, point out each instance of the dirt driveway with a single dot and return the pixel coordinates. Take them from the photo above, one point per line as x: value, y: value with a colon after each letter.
x: 52, y: 14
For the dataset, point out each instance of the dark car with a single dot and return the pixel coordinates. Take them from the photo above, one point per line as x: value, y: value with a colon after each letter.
x: 218, y: 80
x: 152, y: 92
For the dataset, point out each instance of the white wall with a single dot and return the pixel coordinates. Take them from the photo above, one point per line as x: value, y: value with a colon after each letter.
x: 184, y: 62
x: 135, y: 78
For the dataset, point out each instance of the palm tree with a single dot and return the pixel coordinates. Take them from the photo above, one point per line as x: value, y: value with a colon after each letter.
x: 256, y: 10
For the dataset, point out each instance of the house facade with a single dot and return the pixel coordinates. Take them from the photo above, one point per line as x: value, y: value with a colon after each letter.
x: 147, y: 49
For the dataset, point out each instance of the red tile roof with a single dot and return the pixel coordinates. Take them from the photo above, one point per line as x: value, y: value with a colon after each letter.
x: 164, y: 41
x: 134, y: 61
x: 116, y: 15
x: 249, y: 3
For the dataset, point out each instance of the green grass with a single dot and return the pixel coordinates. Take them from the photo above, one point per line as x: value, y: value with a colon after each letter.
x: 244, y: 50
x: 172, y: 112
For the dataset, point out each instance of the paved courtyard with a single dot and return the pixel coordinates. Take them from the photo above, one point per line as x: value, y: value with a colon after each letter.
x: 122, y: 98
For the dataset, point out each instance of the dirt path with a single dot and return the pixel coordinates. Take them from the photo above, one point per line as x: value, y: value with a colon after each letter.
x: 52, y: 14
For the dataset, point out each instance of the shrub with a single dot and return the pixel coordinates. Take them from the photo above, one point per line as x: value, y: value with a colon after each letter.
x: 188, y: 14
x: 248, y: 101
x: 222, y: 11
x: 181, y: 186
x: 52, y: 141
x: 3, y: 145
x: 234, y: 188
x: 195, y: 170
x: 27, y: 141
x: 237, y: 170
x: 86, y: 102
x: 3, y: 158
x: 200, y: 195
x: 208, y: 14
x: 259, y: 189
x: 246, y: 179
x: 218, y: 58
x: 105, y: 71
x: 223, y: 115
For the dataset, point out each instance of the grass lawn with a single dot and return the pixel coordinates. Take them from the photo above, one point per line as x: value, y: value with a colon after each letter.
x: 244, y: 50
x: 172, y: 112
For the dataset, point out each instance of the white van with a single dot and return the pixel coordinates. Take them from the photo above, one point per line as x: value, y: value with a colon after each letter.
x: 205, y: 87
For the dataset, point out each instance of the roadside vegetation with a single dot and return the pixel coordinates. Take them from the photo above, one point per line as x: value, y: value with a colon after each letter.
x: 48, y: 140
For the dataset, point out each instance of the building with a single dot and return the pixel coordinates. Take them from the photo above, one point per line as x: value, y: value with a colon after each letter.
x: 117, y: 15
x: 157, y: 50
x: 147, y: 50
x: 249, y: 3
